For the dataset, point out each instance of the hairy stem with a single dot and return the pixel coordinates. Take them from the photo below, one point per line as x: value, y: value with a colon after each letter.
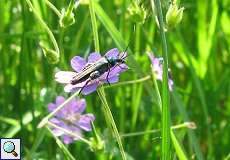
x: 45, y: 119
x: 69, y: 132
x: 56, y: 11
x: 112, y: 124
x: 101, y: 93
x: 179, y: 126
x: 45, y: 27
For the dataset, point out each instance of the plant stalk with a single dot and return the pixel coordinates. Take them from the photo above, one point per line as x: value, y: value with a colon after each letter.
x: 165, y: 150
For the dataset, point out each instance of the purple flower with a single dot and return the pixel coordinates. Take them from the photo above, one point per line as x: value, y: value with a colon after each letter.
x: 157, y: 68
x: 70, y: 118
x: 79, y: 63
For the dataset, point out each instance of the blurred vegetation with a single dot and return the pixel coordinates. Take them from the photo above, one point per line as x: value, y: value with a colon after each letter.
x: 199, y: 53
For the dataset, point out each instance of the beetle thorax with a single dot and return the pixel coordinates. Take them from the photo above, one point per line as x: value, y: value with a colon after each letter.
x: 112, y: 61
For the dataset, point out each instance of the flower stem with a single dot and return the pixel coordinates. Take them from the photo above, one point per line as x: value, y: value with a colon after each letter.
x: 191, y: 125
x: 112, y: 123
x: 101, y: 92
x: 63, y: 148
x: 45, y: 119
x: 165, y: 155
x: 159, y: 101
x: 53, y: 8
x: 179, y: 126
x: 45, y: 27
x: 128, y: 82
x: 69, y: 132
x: 94, y: 25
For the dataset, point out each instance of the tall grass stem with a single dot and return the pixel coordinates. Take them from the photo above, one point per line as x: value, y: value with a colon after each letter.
x: 165, y: 155
x: 100, y: 91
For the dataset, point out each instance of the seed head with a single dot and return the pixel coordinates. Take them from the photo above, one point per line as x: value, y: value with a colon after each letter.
x: 137, y: 12
x: 174, y: 15
x: 51, y: 55
x: 67, y: 16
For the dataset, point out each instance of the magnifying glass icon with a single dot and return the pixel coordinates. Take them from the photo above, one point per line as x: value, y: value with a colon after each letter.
x: 9, y: 147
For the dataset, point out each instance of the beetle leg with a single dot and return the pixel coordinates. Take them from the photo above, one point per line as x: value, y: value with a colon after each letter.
x: 121, y: 67
x: 92, y: 76
x: 107, y: 76
x: 84, y: 86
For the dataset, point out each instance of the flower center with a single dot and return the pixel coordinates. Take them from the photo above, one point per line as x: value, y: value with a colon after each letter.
x: 73, y: 118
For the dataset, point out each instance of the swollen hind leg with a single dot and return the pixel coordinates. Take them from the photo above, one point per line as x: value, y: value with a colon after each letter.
x: 107, y: 77
x: 92, y: 76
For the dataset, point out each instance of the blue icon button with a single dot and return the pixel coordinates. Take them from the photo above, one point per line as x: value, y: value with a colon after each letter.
x: 9, y: 147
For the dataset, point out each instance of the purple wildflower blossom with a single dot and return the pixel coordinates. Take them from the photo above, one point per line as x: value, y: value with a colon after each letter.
x: 157, y: 68
x: 78, y: 64
x: 70, y: 118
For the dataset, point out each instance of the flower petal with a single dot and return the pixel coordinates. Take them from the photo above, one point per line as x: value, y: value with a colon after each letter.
x: 85, y: 122
x: 56, y: 121
x: 71, y: 88
x: 113, y: 53
x: 113, y: 79
x: 90, y: 88
x: 51, y: 107
x: 156, y: 62
x: 159, y: 75
x: 156, y: 66
x: 59, y: 100
x: 78, y: 63
x: 118, y: 69
x: 81, y: 104
x: 55, y: 131
x: 76, y: 131
x: 64, y: 76
x: 93, y: 57
x: 115, y: 71
x: 170, y: 83
x: 77, y: 106
x: 67, y: 139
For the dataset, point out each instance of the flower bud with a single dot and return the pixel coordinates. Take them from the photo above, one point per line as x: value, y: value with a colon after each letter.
x: 174, y: 15
x: 51, y: 55
x: 67, y: 16
x: 97, y: 144
x: 137, y: 13
x: 191, y: 125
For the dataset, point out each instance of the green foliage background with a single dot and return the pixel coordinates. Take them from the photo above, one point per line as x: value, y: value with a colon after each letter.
x: 198, y: 57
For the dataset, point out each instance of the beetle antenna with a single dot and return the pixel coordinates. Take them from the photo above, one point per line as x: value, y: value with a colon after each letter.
x: 134, y: 29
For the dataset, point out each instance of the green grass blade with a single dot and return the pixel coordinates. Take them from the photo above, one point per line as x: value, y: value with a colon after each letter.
x: 179, y: 151
x: 165, y: 150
